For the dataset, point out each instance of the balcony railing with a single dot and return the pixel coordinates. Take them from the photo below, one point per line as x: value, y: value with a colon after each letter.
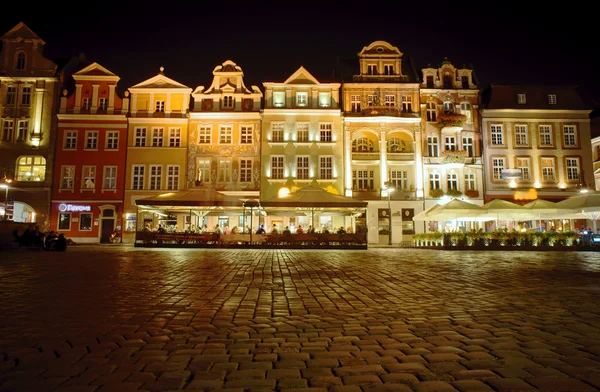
x: 382, y: 110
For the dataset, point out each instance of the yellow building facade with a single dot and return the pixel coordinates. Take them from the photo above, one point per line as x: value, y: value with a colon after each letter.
x: 157, y: 145
x: 302, y: 143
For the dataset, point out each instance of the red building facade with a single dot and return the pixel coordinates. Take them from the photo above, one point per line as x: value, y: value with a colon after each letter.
x: 91, y: 151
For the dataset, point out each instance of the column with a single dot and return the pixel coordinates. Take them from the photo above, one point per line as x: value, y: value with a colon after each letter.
x: 419, y: 172
x: 383, y: 156
x: 151, y: 104
x: 77, y: 107
x: 94, y: 107
x: 168, y: 104
x: 111, y: 99
x: 347, y: 160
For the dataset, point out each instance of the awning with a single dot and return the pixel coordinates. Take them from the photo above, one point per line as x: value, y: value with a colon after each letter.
x: 314, y: 197
x: 192, y: 198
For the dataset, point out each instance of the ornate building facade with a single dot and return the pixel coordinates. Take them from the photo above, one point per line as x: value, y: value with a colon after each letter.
x: 536, y: 142
x: 156, y: 148
x: 91, y: 147
x: 28, y: 102
x: 302, y: 142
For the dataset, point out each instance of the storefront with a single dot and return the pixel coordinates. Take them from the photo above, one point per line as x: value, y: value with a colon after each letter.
x: 86, y: 222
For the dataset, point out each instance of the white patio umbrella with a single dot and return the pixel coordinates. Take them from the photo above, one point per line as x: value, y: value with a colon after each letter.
x: 542, y: 208
x: 500, y: 209
x: 582, y: 206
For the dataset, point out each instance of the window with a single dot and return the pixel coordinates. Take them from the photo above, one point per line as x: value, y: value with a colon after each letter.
x: 431, y: 111
x: 497, y: 135
x: 523, y: 165
x: 26, y: 96
x: 324, y: 100
x: 545, y: 135
x: 112, y: 140
x: 429, y: 81
x: 110, y: 177
x: 406, y: 103
x: 20, y: 61
x: 91, y: 140
x: 325, y: 168
x: 371, y: 69
x: 452, y: 181
x: 203, y: 170
x: 138, y: 177
x: 245, y: 170
x: 246, y: 132
x: 355, y: 103
x: 140, y: 137
x: 302, y: 172
x: 301, y: 99
x: 157, y: 137
x: 278, y: 99
x: 67, y: 177
x: 466, y: 109
x: 388, y: 69
x: 548, y: 169
x: 155, y: 177
x: 552, y: 99
x: 204, y: 132
x: 88, y: 177
x: 174, y: 137
x: 497, y: 167
x: 521, y: 135
x: 277, y: 168
x: 85, y: 221
x: 277, y: 132
x: 450, y: 143
x: 325, y: 130
x: 103, y: 104
x: 11, y: 95
x: 449, y: 107
x: 22, y: 130
x: 434, y: 181
x: 31, y: 168
x: 224, y: 170
x: 363, y: 180
x: 225, y: 134
x: 467, y: 145
x: 64, y: 221
x: 433, y: 146
x: 228, y: 102
x: 302, y: 132
x: 521, y: 99
x: 464, y: 81
x: 470, y: 181
x: 172, y: 177
x: 572, y: 165
x: 87, y: 103
x: 362, y: 144
x: 372, y: 100
x: 399, y: 179
x: 570, y: 136
x: 395, y: 144
x: 7, y: 130
x: 447, y: 79
x: 390, y: 100
x: 160, y: 106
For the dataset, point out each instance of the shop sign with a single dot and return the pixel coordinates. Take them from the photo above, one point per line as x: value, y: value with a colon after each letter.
x: 73, y: 207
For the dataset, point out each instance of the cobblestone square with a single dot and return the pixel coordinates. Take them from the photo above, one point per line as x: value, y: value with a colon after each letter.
x: 118, y: 318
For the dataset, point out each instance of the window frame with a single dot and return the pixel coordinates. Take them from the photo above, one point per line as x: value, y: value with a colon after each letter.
x: 109, y: 178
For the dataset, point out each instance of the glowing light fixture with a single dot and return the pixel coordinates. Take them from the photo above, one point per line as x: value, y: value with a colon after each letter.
x: 283, y: 192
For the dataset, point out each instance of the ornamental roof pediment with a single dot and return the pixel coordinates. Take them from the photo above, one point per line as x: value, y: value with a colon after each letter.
x: 93, y: 69
x: 160, y: 81
x: 301, y: 76
x: 23, y: 32
x: 379, y: 48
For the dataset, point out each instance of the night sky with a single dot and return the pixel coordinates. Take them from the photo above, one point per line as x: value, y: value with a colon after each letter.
x: 504, y: 42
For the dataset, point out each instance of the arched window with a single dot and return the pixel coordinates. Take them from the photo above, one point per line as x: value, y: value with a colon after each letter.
x: 362, y: 144
x: 20, y: 61
x: 396, y: 145
x: 31, y: 168
x: 448, y: 107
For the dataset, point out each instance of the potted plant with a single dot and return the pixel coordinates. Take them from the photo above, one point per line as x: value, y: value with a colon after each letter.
x: 436, y: 193
x: 445, y: 120
x: 472, y: 193
x: 454, y: 192
x: 454, y: 156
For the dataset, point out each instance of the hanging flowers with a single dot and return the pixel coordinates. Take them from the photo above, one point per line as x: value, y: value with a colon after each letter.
x: 450, y: 120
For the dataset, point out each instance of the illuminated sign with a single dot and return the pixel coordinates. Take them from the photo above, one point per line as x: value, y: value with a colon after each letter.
x: 512, y: 173
x: 72, y: 207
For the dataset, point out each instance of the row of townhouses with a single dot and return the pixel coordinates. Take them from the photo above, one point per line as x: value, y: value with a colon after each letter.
x: 80, y: 153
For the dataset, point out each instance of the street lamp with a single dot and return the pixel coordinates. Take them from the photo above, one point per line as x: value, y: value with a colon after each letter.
x: 389, y: 190
x: 4, y: 185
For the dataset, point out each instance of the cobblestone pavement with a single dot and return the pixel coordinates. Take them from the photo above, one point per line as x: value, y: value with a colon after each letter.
x: 118, y: 318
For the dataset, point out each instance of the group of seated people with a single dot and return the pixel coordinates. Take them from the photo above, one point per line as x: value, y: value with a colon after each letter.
x: 33, y: 237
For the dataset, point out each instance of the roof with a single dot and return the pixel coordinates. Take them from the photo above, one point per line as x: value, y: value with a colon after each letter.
x: 504, y: 96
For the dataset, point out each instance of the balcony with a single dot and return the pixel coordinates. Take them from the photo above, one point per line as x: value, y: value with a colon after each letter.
x: 382, y: 110
x: 373, y: 194
x: 372, y: 157
x: 400, y: 156
x: 380, y: 78
x: 450, y: 121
